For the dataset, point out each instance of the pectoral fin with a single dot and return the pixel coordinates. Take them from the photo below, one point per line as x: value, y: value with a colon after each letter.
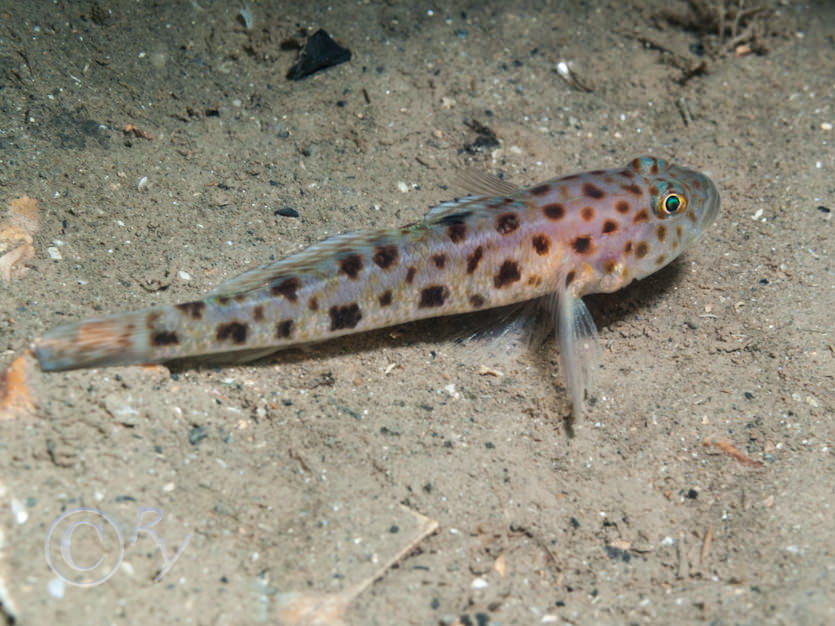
x: 579, y: 348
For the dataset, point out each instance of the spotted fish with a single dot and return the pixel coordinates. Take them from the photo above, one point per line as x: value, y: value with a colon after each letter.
x: 586, y: 233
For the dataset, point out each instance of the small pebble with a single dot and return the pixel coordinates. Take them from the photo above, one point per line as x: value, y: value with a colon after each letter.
x: 286, y: 212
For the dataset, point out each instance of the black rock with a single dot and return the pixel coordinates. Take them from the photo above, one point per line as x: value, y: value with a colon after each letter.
x: 320, y: 52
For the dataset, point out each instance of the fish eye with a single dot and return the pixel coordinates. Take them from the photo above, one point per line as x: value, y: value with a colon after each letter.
x: 673, y: 203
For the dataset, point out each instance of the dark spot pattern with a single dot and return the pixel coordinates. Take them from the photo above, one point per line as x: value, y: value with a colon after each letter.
x: 457, y: 232
x: 610, y: 266
x: 691, y: 216
x: 609, y: 226
x: 351, y: 266
x: 627, y: 173
x: 540, y: 190
x: 258, y: 313
x: 164, y: 338
x: 474, y: 259
x: 385, y: 256
x: 287, y: 288
x: 653, y: 190
x: 534, y: 280
x: 508, y: 274
x: 634, y: 189
x: 661, y: 232
x: 193, y: 309
x: 313, y: 303
x: 641, y: 216
x: 433, y: 296
x: 385, y: 298
x: 345, y: 316
x: 233, y: 331
x: 593, y: 191
x: 284, y: 329
x: 569, y: 278
x: 439, y: 260
x: 223, y: 300
x: 410, y: 274
x: 582, y: 245
x: 622, y: 206
x: 659, y: 260
x: 654, y: 168
x: 627, y: 247
x: 239, y: 297
x: 554, y: 211
x: 587, y: 213
x: 679, y: 231
x: 477, y: 301
x: 542, y: 244
x: 641, y: 250
x: 506, y: 223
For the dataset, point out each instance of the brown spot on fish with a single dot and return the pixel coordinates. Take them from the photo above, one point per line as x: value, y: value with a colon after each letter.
x: 659, y: 260
x: 641, y: 216
x: 679, y: 231
x: 653, y: 190
x: 569, y: 278
x: 627, y: 247
x: 571, y: 177
x: 506, y: 223
x: 691, y: 216
x: 151, y: 319
x: 239, y: 297
x: 385, y: 256
x: 439, y: 260
x: 508, y: 274
x: 457, y: 232
x: 351, y: 266
x: 675, y: 244
x: 258, y: 313
x: 542, y: 244
x: 410, y: 274
x: 610, y: 266
x: 593, y: 191
x: 432, y: 296
x: 597, y: 172
x: 634, y: 189
x: 284, y: 329
x: 587, y: 213
x: 627, y: 173
x: 313, y: 304
x: 540, y: 190
x: 654, y: 167
x: 287, y: 288
x: 346, y: 316
x: 385, y: 298
x: 622, y: 206
x: 534, y: 280
x: 641, y: 249
x: 192, y: 309
x: 477, y: 301
x: 582, y: 245
x: 696, y: 183
x: 234, y: 331
x: 474, y: 259
x: 164, y: 338
x: 554, y: 211
x: 609, y: 226
x: 636, y: 164
x: 661, y: 232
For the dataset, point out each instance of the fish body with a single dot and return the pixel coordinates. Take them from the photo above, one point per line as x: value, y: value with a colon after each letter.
x: 585, y: 233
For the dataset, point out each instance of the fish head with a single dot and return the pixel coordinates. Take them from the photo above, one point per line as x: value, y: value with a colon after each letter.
x: 678, y: 205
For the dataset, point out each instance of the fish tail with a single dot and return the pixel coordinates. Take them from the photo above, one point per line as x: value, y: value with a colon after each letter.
x: 119, y: 339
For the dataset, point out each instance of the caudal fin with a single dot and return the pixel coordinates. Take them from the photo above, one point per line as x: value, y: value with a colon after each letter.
x: 120, y: 339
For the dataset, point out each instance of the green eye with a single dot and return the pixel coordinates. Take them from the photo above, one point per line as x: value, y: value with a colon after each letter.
x: 674, y: 203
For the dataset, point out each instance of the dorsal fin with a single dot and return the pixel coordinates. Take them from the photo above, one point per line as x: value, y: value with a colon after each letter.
x: 481, y: 183
x: 298, y: 263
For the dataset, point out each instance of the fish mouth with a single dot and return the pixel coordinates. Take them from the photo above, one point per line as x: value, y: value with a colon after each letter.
x: 711, y: 206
